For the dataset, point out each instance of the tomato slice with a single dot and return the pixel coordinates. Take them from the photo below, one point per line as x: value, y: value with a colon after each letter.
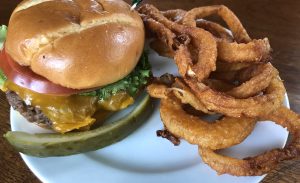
x: 25, y: 77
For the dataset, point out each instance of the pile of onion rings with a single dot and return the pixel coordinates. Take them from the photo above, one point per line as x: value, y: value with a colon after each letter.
x: 225, y: 74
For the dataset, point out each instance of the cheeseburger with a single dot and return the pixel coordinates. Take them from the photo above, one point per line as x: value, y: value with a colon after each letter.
x: 66, y: 64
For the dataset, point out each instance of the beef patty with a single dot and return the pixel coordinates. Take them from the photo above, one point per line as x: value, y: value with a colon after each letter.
x: 32, y: 114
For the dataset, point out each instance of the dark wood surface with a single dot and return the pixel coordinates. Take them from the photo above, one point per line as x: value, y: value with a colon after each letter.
x: 279, y: 20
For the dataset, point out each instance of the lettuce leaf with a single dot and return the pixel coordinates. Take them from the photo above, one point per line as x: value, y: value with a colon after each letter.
x: 2, y: 78
x: 131, y: 84
x: 3, y: 31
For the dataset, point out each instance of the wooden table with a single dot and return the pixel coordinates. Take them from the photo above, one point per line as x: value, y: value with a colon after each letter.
x: 278, y: 20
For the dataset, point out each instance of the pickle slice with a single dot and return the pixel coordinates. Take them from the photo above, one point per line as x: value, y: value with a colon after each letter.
x: 47, y: 145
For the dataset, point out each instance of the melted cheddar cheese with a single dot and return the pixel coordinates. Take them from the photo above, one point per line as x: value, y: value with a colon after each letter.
x: 73, y: 112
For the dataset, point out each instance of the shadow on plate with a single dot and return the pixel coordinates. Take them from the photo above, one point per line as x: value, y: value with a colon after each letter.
x: 138, y: 168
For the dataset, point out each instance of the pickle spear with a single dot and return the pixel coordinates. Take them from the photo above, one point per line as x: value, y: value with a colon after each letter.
x: 48, y: 145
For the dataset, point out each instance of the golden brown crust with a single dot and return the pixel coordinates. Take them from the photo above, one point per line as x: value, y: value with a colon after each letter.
x: 78, y: 43
x: 230, y: 131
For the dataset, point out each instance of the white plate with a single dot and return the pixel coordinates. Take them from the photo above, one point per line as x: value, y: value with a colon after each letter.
x: 143, y: 157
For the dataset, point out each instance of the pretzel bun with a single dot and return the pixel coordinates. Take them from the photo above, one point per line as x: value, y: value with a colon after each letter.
x: 78, y: 44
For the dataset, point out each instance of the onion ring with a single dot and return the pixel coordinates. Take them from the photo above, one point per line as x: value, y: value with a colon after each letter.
x: 229, y: 67
x: 161, y: 48
x: 186, y: 96
x: 164, y: 34
x: 261, y: 164
x: 250, y: 88
x: 239, y: 32
x: 183, y: 59
x: 254, y: 51
x: 223, y: 133
x: 219, y: 85
x: 222, y: 73
x: 256, y: 84
x: 243, y: 74
x: 162, y: 90
x: 174, y: 15
x: 230, y: 106
x: 207, y: 53
x: 158, y: 91
x: 201, y: 40
x: 245, y: 49
x: 216, y: 29
x: 164, y: 42
x: 164, y: 48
